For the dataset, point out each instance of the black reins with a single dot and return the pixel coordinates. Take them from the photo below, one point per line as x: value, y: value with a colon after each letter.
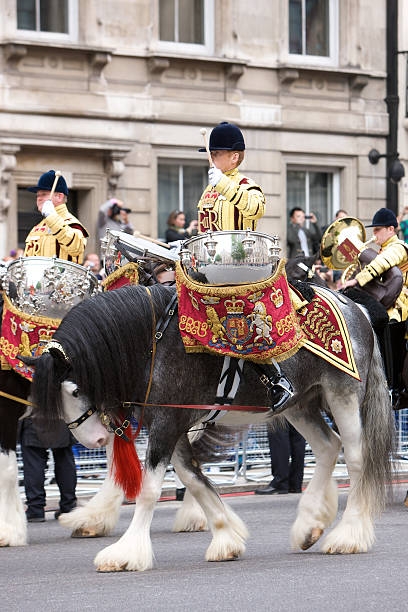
x: 161, y: 327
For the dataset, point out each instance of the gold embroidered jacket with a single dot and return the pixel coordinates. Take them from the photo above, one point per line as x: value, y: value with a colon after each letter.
x: 60, y: 234
x: 236, y: 203
x: 394, y: 252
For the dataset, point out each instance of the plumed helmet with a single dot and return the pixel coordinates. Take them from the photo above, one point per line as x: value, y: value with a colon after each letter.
x: 226, y: 137
x: 46, y: 181
x: 384, y: 218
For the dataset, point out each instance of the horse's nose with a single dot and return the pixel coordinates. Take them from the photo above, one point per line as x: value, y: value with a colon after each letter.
x: 102, y: 441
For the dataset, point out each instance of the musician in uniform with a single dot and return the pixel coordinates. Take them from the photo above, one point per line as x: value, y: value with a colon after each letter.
x: 393, y: 252
x: 233, y: 201
x: 59, y: 234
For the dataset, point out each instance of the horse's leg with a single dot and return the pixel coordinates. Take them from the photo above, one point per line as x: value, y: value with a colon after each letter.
x: 229, y: 532
x: 13, y: 524
x: 366, y: 432
x: 355, y: 532
x: 190, y: 516
x: 133, y: 551
x: 100, y: 514
x: 317, y: 507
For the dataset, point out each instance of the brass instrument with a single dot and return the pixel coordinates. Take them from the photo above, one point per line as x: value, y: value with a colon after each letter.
x: 342, y: 243
x: 344, y: 247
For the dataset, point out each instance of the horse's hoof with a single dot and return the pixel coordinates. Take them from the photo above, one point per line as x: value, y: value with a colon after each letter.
x: 312, y: 538
x: 83, y: 532
x: 111, y: 567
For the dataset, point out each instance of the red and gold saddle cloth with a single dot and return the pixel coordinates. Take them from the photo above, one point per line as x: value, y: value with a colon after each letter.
x: 254, y: 321
x: 259, y: 322
x: 24, y: 335
x: 122, y: 277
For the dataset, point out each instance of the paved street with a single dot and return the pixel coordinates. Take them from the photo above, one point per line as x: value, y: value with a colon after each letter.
x: 56, y: 572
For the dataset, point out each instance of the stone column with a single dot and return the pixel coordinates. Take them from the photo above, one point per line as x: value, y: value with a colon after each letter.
x: 8, y: 162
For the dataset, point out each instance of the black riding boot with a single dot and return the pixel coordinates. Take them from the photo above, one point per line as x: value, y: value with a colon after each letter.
x: 279, y: 388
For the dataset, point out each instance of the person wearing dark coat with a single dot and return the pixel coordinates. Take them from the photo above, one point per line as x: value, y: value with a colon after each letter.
x: 35, y: 457
x: 176, y: 230
x: 287, y: 450
x: 300, y: 239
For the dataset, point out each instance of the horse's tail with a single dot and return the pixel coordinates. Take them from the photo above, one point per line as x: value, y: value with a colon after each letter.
x: 213, y: 443
x: 378, y: 437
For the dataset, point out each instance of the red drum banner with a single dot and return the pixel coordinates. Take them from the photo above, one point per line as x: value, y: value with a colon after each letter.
x: 254, y: 321
x: 25, y: 335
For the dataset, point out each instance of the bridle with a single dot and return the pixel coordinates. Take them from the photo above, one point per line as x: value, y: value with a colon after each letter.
x: 158, y: 330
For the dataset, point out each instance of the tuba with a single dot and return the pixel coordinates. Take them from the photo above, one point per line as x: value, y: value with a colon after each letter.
x: 344, y: 247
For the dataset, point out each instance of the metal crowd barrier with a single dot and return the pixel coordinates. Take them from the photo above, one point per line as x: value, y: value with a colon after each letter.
x: 248, y: 459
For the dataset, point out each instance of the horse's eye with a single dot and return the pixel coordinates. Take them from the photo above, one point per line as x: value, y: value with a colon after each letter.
x: 75, y: 393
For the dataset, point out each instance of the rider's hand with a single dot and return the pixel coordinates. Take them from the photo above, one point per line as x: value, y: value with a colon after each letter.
x: 349, y: 283
x: 47, y: 208
x: 214, y: 175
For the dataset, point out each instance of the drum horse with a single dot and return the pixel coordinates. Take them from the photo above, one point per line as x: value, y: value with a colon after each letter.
x: 104, y: 356
x: 38, y: 293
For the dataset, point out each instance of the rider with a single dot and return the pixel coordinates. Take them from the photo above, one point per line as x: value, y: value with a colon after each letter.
x: 59, y: 234
x: 393, y: 252
x: 233, y: 201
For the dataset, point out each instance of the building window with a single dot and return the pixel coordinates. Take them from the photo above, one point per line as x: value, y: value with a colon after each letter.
x: 43, y: 15
x: 179, y: 188
x: 313, y: 26
x: 315, y: 192
x: 48, y: 18
x: 182, y: 21
x: 187, y: 24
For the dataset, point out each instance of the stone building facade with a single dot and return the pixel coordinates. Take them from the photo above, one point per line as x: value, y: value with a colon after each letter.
x: 114, y: 93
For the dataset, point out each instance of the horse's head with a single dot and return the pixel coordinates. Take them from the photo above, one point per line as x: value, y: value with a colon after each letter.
x: 81, y: 417
x: 57, y: 398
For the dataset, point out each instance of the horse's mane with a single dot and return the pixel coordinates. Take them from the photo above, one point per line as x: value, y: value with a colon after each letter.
x: 106, y: 339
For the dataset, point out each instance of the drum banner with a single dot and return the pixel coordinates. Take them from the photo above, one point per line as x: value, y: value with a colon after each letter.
x: 123, y: 276
x: 254, y: 321
x: 327, y: 332
x: 25, y: 335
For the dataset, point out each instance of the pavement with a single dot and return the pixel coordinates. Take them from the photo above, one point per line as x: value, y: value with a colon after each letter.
x: 227, y: 482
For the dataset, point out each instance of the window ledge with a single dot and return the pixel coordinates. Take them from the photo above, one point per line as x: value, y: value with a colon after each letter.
x: 159, y: 62
x: 15, y: 50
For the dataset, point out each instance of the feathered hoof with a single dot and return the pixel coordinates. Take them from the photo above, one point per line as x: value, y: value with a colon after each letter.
x: 111, y: 567
x: 311, y: 538
x: 9, y: 539
x: 348, y: 542
x: 230, y: 557
x: 83, y: 532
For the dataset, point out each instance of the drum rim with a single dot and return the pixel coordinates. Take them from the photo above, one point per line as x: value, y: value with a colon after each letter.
x: 53, y: 260
x: 171, y: 257
x: 226, y: 232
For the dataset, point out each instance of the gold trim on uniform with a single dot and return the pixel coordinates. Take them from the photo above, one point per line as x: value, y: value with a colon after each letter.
x: 56, y: 230
x: 235, y: 203
x: 394, y: 252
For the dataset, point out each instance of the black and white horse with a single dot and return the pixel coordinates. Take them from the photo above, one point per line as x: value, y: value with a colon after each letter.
x: 103, y: 358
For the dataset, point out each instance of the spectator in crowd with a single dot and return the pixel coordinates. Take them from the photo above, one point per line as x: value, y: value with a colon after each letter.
x: 302, y: 240
x: 93, y: 262
x: 176, y: 227
x: 403, y: 224
x: 287, y: 450
x: 113, y: 215
x: 35, y: 457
